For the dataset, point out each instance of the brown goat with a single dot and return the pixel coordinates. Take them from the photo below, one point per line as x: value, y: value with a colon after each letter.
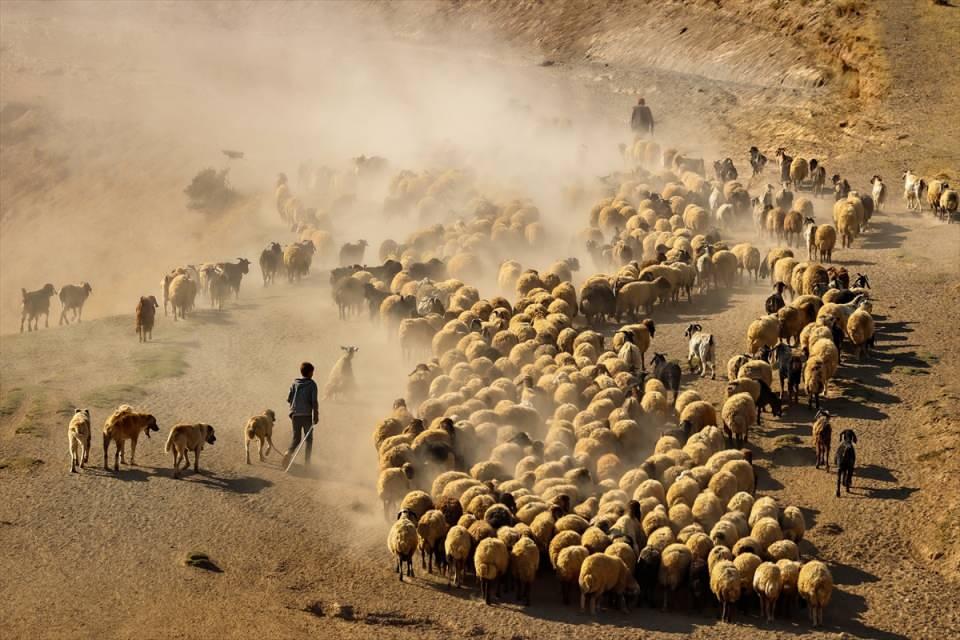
x: 822, y: 435
x: 146, y: 313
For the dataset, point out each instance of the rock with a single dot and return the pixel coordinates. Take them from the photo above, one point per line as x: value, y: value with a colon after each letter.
x: 342, y: 611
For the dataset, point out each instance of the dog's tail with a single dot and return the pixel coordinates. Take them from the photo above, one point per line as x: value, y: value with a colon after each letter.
x: 169, y: 446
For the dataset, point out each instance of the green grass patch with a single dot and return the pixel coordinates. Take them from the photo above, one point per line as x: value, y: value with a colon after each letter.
x: 110, y: 396
x: 157, y: 365
x: 20, y: 462
x: 10, y: 401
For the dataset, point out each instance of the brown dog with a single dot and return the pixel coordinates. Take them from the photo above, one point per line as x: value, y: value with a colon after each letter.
x: 125, y: 424
x: 261, y: 428
x: 188, y: 437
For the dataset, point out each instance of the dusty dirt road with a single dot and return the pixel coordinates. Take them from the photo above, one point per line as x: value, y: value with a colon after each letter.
x: 99, y: 554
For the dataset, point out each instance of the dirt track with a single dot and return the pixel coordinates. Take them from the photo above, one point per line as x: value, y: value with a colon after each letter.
x: 98, y: 554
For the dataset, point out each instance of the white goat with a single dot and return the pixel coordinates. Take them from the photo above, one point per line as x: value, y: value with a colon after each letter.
x: 341, y: 382
x: 912, y: 188
x: 879, y: 193
x: 703, y: 348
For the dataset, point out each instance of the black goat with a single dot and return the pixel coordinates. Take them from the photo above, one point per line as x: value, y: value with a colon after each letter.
x: 646, y: 573
x: 846, y: 459
x: 667, y: 372
x: 757, y: 161
x: 768, y: 399
x: 775, y: 302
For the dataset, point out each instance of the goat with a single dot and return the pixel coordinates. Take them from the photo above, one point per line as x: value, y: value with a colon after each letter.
x: 667, y: 372
x: 234, y: 273
x: 775, y: 302
x: 35, y: 304
x: 861, y: 282
x: 846, y: 459
x: 146, y: 313
x: 703, y: 348
x: 757, y: 161
x: 783, y: 162
x: 724, y: 170
x: 351, y: 253
x: 72, y: 298
x: 822, y: 437
x: 794, y: 378
x: 879, y: 192
x: 271, y: 259
x: 341, y: 382
x: 818, y: 177
x: 841, y: 188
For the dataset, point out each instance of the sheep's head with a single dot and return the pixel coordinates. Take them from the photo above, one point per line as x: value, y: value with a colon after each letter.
x: 692, y: 329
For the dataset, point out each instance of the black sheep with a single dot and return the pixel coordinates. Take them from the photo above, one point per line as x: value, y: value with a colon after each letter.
x: 646, y: 573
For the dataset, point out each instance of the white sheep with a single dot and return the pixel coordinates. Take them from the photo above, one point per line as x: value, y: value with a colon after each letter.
x: 861, y: 330
x: 724, y: 583
x: 78, y: 436
x: 490, y: 562
x: 702, y: 347
x: 402, y: 541
x: 457, y: 547
x: 600, y: 574
x: 340, y: 381
x: 815, y: 584
x: 767, y: 583
x: 524, y: 562
x: 738, y: 413
x: 431, y: 531
x: 393, y: 485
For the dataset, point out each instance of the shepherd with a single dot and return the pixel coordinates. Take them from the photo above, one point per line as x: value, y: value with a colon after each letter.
x: 642, y: 119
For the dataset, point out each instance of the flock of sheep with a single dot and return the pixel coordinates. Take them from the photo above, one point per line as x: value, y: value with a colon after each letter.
x: 532, y: 437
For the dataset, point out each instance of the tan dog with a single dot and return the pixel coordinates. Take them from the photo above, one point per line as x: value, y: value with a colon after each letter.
x: 261, y: 428
x: 125, y: 424
x: 78, y: 436
x: 184, y: 438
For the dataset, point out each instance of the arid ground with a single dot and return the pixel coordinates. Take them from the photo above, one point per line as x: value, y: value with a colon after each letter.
x: 108, y: 110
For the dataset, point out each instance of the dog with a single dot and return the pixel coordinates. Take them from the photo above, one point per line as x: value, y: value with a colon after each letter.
x: 261, y: 428
x: 122, y: 425
x: 184, y: 438
x: 846, y: 459
x: 78, y: 437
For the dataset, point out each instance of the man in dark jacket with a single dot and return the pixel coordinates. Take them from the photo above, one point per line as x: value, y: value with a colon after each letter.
x: 642, y: 119
x: 304, y: 411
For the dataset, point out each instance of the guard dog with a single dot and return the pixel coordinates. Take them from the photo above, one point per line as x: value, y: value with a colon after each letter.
x: 184, y: 438
x: 78, y: 437
x: 261, y: 428
x: 122, y: 425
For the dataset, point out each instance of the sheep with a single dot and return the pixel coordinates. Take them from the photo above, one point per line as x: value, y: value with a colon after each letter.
x: 860, y: 329
x: 725, y: 266
x: 846, y: 459
x: 767, y: 583
x: 352, y: 253
x: 762, y: 332
x: 597, y: 300
x: 667, y: 372
x: 35, y: 304
x: 72, y: 298
x: 457, y: 546
x: 600, y: 574
x: 524, y: 562
x: 792, y: 524
x: 392, y: 485
x: 219, y: 287
x: 490, y: 560
x: 703, y: 348
x: 815, y: 380
x: 431, y: 531
x: 633, y: 295
x: 183, y: 292
x: 949, y: 204
x: 297, y: 259
x: 725, y: 584
x: 798, y: 171
x: 686, y: 397
x: 848, y: 223
x: 568, y: 566
x: 697, y: 415
x: 271, y: 259
x: 738, y: 414
x: 815, y: 584
x: 674, y: 566
x: 822, y: 437
x: 340, y: 382
x: 145, y: 314
x: 402, y: 541
x: 78, y: 437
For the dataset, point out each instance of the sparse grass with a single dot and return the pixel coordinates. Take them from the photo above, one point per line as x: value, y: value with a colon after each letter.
x: 935, y: 454
x: 912, y: 371
x: 201, y: 560
x: 784, y: 442
x: 157, y: 365
x: 29, y: 428
x: 110, y: 396
x: 11, y: 401
x: 20, y: 462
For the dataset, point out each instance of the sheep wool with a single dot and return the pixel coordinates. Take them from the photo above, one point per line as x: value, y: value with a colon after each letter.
x: 767, y: 584
x: 815, y: 585
x: 490, y: 562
